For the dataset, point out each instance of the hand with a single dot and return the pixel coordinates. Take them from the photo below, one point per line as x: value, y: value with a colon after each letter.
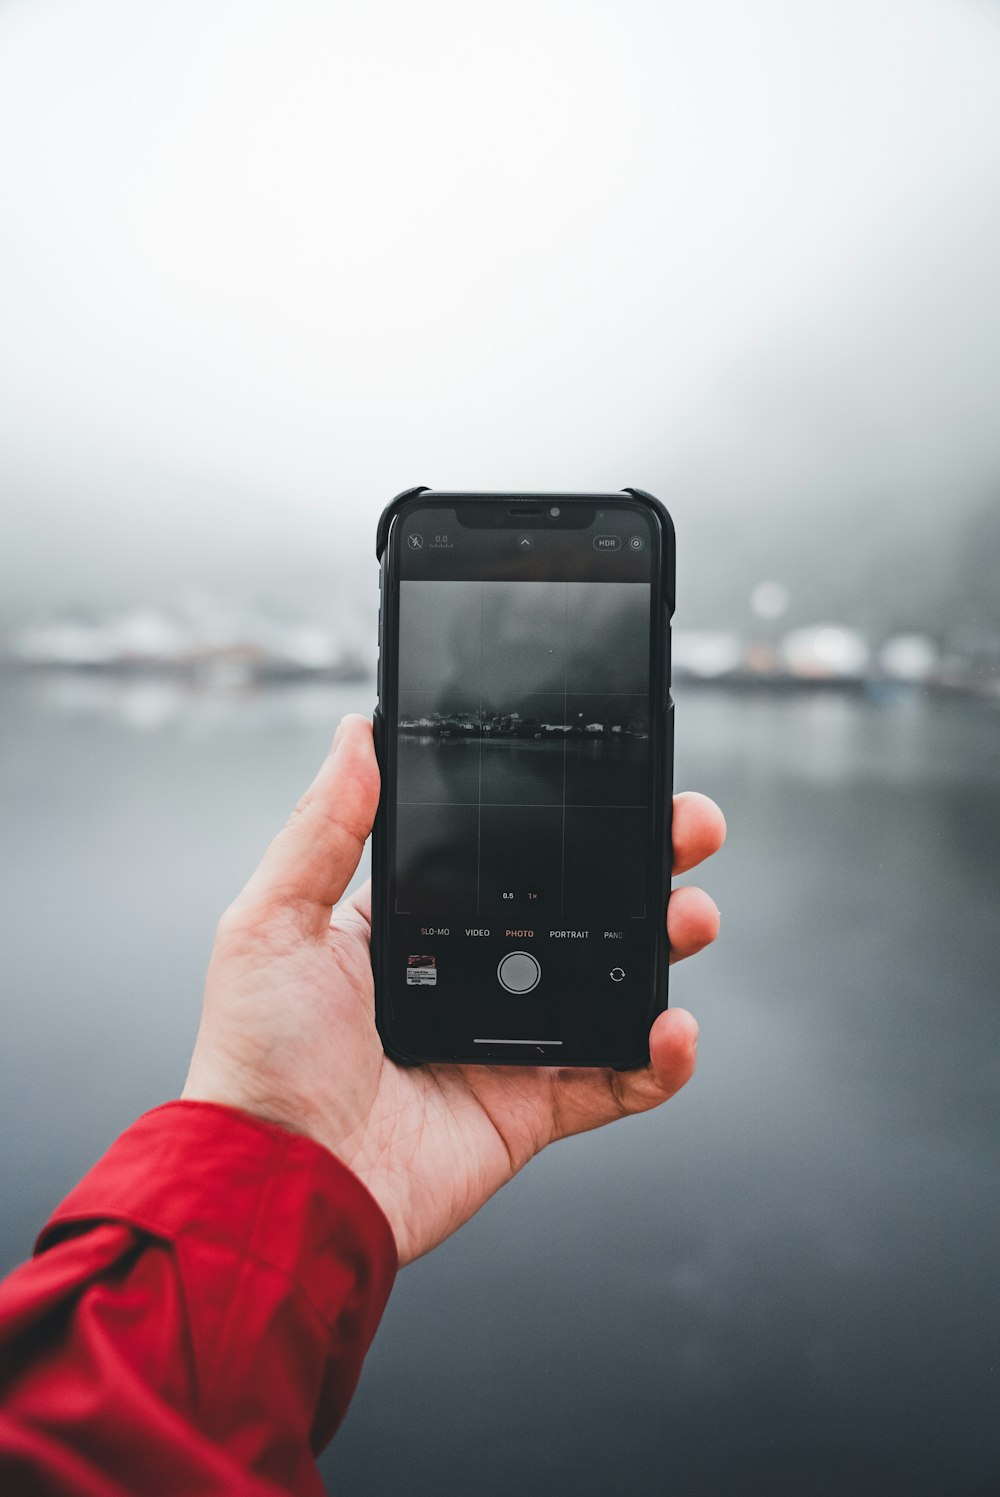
x: 288, y: 1027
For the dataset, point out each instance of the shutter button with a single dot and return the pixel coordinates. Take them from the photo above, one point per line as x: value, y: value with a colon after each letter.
x: 519, y: 972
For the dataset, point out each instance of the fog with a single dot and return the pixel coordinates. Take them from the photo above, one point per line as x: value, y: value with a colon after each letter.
x: 265, y: 264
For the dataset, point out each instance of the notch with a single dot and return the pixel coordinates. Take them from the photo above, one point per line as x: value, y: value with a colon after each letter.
x: 486, y: 516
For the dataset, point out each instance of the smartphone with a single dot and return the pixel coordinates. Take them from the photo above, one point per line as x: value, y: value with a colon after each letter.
x: 524, y: 732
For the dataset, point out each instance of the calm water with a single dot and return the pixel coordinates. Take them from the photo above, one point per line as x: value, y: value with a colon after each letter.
x: 784, y: 1282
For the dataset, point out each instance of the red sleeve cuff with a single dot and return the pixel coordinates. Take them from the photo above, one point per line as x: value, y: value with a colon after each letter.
x: 190, y: 1170
x: 258, y: 1216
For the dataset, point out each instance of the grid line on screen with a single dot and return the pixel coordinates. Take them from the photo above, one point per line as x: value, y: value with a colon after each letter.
x: 562, y: 857
x: 479, y: 815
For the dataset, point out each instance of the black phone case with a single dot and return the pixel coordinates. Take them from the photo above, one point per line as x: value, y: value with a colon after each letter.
x: 663, y: 782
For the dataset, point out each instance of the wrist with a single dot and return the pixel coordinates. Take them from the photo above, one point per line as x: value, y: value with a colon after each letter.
x: 228, y: 1088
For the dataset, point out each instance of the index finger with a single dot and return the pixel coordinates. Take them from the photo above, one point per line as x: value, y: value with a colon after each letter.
x: 699, y: 829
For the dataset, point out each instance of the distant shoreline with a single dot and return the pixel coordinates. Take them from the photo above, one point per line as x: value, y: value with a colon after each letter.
x: 226, y: 675
x: 223, y: 672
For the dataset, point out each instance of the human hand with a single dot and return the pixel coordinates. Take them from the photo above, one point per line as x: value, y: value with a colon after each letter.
x: 288, y: 1023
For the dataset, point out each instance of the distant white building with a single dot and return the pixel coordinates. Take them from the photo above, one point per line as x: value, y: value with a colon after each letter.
x: 909, y: 657
x: 825, y: 652
x: 706, y: 652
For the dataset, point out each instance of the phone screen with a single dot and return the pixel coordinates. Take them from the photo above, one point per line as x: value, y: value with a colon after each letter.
x: 520, y: 851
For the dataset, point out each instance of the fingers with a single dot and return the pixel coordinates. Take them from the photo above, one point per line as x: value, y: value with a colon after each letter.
x: 692, y: 918
x: 673, y: 1044
x: 692, y: 922
x: 583, y: 1099
x: 310, y: 862
x: 699, y: 829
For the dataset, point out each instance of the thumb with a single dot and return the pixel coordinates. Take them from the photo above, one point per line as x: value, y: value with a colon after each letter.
x: 673, y: 1043
x: 310, y: 862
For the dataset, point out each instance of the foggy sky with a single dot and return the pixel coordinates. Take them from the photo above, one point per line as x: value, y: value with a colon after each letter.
x: 466, y: 646
x: 264, y: 264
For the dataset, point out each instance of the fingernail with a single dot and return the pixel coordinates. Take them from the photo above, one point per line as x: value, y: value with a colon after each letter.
x: 337, y: 736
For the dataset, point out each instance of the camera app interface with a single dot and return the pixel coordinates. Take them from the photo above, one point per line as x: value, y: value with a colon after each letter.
x: 522, y: 775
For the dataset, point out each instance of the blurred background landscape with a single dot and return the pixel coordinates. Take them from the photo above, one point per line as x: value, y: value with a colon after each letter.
x: 262, y: 266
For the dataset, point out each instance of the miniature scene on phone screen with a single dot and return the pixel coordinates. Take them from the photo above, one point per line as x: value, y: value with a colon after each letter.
x: 523, y: 751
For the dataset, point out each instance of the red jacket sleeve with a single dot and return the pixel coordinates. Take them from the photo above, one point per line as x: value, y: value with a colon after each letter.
x: 195, y: 1317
